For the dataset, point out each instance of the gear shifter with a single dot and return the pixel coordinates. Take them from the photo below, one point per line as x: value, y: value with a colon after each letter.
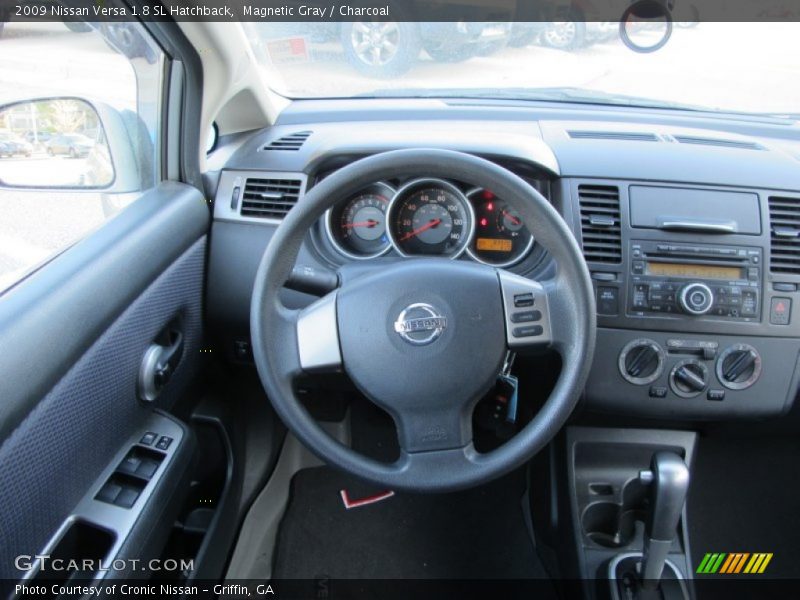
x: 668, y: 478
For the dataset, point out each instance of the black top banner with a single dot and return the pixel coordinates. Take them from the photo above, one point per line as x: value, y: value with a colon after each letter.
x: 398, y: 10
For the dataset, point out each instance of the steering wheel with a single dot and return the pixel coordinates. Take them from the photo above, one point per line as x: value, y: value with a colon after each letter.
x: 425, y: 338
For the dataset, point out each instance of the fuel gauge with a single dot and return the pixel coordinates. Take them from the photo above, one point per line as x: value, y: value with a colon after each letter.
x: 501, y: 238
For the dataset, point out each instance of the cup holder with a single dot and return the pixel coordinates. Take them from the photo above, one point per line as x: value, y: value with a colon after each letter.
x: 613, y: 524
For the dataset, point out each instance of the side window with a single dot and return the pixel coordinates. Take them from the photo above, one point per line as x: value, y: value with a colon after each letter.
x: 79, y: 133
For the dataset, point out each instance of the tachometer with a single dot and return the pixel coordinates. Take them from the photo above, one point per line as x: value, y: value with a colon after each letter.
x: 357, y: 227
x: 501, y: 239
x: 430, y: 217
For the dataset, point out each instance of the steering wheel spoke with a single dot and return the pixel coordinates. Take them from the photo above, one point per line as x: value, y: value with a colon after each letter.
x: 426, y: 427
x: 317, y: 332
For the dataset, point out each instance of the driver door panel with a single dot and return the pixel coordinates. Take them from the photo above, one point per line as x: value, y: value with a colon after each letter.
x: 75, y: 333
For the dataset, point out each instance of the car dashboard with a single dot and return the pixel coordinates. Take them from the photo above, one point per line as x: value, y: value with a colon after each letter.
x: 689, y: 225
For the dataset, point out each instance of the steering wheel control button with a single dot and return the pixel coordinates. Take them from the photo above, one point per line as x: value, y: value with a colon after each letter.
x: 688, y: 378
x: 523, y: 300
x: 658, y: 391
x: 780, y: 311
x: 739, y: 366
x: 420, y: 324
x: 529, y: 331
x: 164, y: 443
x: 520, y: 292
x: 527, y: 316
x: 696, y: 298
x: 148, y: 439
x: 716, y: 395
x: 641, y: 361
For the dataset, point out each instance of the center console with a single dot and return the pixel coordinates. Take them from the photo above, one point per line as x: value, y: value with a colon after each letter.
x: 696, y: 293
x: 620, y: 526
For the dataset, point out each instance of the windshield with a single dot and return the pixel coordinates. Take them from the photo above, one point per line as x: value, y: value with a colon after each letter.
x: 732, y: 67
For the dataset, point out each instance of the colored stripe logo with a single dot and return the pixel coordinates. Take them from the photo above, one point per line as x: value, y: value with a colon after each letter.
x: 734, y: 563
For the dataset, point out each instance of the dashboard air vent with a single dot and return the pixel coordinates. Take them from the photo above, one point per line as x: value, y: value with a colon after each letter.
x: 630, y: 136
x: 270, y: 198
x: 600, y: 223
x: 703, y: 141
x: 288, y: 143
x: 784, y: 216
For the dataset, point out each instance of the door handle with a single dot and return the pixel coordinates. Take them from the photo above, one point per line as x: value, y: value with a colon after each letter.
x: 160, y: 362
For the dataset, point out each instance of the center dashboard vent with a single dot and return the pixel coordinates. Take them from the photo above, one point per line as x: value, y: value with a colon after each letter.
x: 600, y: 223
x: 784, y: 217
x: 270, y: 198
x: 288, y: 143
x: 629, y: 136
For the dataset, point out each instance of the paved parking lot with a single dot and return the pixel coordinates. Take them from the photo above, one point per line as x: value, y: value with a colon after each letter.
x: 731, y: 65
x: 724, y: 65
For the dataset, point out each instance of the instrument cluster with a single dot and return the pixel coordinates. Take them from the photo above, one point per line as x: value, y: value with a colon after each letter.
x: 429, y: 217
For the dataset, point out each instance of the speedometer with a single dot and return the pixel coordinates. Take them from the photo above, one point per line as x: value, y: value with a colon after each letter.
x: 357, y: 227
x: 430, y: 217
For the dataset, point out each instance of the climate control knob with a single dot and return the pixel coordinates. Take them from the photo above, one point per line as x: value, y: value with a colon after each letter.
x: 739, y: 366
x: 696, y: 298
x: 688, y: 378
x: 641, y: 361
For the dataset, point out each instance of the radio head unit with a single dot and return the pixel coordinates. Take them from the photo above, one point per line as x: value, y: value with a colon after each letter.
x: 669, y: 278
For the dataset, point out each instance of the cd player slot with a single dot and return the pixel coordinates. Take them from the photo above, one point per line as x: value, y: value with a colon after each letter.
x: 694, y: 259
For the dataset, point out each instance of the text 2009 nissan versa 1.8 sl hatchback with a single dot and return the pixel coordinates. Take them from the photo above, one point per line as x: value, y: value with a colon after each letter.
x: 431, y: 300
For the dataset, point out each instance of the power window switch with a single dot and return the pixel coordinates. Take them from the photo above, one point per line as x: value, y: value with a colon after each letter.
x: 148, y: 439
x: 127, y: 497
x: 129, y: 465
x: 109, y: 492
x: 164, y: 443
x: 147, y: 468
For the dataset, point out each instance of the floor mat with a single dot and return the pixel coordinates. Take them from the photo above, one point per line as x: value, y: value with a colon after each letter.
x: 478, y: 533
x: 744, y: 498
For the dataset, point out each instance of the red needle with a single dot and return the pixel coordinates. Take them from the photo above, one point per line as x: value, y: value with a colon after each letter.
x: 512, y: 218
x: 370, y: 223
x: 428, y: 225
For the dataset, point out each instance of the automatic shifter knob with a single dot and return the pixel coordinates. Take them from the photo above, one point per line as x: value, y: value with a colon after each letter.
x: 669, y: 481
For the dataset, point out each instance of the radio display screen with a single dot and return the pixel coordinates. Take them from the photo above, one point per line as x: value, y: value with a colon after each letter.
x: 696, y: 271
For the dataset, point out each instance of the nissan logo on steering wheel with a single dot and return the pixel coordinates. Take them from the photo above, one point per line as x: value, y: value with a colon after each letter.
x: 420, y: 324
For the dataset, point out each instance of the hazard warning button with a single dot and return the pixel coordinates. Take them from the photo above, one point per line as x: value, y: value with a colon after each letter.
x: 780, y: 311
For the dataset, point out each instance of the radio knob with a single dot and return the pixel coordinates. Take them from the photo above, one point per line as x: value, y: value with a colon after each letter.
x: 696, y: 298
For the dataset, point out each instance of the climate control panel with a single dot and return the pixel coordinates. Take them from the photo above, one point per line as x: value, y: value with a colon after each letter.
x: 691, y: 367
x: 669, y: 375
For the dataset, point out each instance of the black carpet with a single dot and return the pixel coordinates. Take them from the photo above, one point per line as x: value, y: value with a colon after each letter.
x: 474, y: 534
x: 745, y: 497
